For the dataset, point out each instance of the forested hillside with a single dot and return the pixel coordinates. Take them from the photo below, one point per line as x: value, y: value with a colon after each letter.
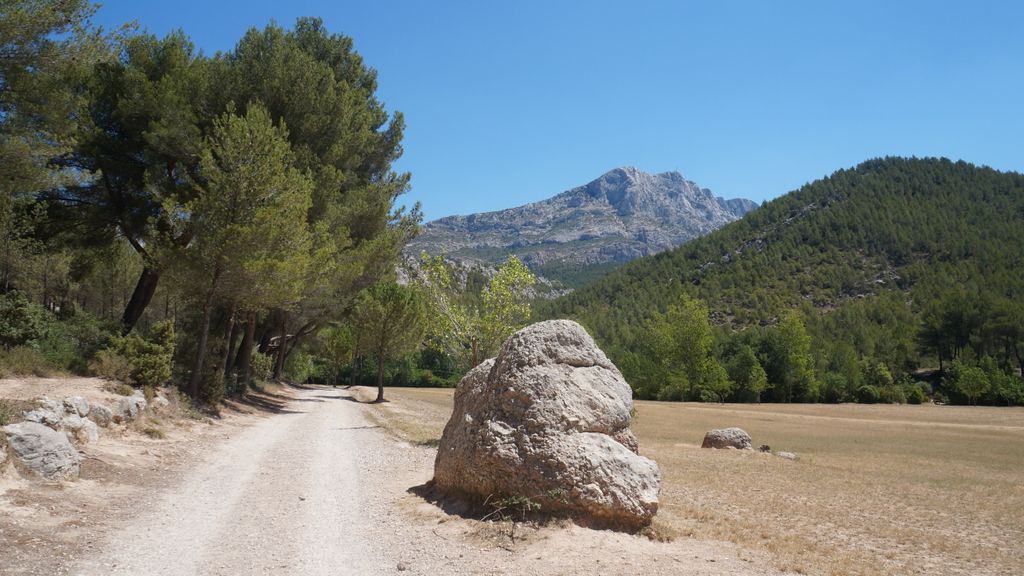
x: 897, y: 264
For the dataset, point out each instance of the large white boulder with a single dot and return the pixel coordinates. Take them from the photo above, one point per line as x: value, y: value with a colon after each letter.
x: 548, y: 419
x: 43, y: 450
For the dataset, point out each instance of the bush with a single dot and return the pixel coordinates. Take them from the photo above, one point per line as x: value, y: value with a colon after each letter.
x: 137, y: 361
x: 868, y: 394
x: 914, y: 394
x: 261, y: 366
x: 213, y: 388
x: 21, y: 322
x: 69, y: 344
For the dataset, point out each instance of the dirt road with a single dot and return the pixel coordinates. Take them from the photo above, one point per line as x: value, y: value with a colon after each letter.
x: 318, y: 490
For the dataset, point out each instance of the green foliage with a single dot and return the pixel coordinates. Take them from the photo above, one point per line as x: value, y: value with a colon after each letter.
x: 914, y: 394
x: 467, y: 324
x: 21, y: 322
x: 970, y: 381
x: 262, y: 366
x: 868, y: 394
x: 902, y: 262
x: 391, y: 320
x: 137, y: 361
x: 684, y: 367
x: 745, y: 370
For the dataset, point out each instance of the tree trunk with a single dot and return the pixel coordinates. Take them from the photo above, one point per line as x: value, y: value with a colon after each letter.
x: 282, y: 348
x: 141, y: 296
x: 244, y: 354
x: 229, y: 344
x: 380, y: 378
x: 473, y: 342
x: 204, y: 336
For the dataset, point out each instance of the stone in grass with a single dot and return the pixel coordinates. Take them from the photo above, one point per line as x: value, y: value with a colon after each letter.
x: 786, y: 455
x: 727, y: 438
x: 43, y: 450
x: 548, y: 420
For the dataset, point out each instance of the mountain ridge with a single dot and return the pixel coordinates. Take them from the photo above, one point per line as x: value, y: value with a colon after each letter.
x: 622, y: 215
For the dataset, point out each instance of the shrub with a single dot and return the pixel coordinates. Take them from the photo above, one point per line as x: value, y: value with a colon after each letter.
x: 138, y: 361
x: 868, y: 394
x: 261, y: 366
x: 21, y: 322
x: 914, y: 394
x: 69, y: 344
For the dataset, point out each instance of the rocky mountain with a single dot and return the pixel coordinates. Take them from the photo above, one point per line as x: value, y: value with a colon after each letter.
x: 588, y: 230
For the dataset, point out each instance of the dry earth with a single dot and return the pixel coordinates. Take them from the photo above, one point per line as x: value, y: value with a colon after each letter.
x: 877, y: 489
x: 302, y: 481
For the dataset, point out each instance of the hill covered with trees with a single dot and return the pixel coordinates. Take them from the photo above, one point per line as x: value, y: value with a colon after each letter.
x: 841, y: 290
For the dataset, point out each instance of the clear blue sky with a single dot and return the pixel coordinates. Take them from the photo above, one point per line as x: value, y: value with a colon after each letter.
x: 512, y: 102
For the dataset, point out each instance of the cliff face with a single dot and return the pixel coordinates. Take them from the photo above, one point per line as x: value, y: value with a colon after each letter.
x: 621, y: 216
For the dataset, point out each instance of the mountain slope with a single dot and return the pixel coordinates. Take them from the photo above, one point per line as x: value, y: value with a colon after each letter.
x: 623, y: 215
x: 914, y: 228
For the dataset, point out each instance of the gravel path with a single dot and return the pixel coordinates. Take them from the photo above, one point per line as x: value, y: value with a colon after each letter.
x: 283, y: 496
x: 319, y: 490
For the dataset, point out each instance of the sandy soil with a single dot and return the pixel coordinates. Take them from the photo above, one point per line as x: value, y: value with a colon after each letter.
x: 314, y: 488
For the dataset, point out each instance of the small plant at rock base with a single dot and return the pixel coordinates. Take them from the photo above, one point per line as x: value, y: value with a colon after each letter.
x: 154, y: 433
x: 515, y: 507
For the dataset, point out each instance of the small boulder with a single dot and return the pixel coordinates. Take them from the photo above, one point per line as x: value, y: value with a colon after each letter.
x: 49, y: 412
x: 76, y: 405
x: 160, y: 402
x: 548, y: 419
x: 82, y: 429
x: 765, y: 448
x: 129, y: 407
x: 786, y: 455
x: 727, y: 438
x: 43, y: 450
x: 100, y: 414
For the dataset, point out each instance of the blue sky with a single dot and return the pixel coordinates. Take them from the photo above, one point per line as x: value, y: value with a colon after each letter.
x: 512, y: 102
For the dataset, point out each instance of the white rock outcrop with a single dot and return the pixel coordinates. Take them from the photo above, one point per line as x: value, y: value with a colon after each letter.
x: 548, y: 419
x: 43, y: 450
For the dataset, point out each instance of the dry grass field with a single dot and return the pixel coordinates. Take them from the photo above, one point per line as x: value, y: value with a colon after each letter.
x: 876, y: 489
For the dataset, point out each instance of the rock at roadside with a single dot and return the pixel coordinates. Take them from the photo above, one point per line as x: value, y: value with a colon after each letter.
x: 727, y: 438
x: 77, y: 405
x: 49, y: 412
x: 82, y: 429
x: 100, y: 414
x: 43, y: 450
x: 159, y: 402
x: 129, y: 407
x: 548, y: 419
